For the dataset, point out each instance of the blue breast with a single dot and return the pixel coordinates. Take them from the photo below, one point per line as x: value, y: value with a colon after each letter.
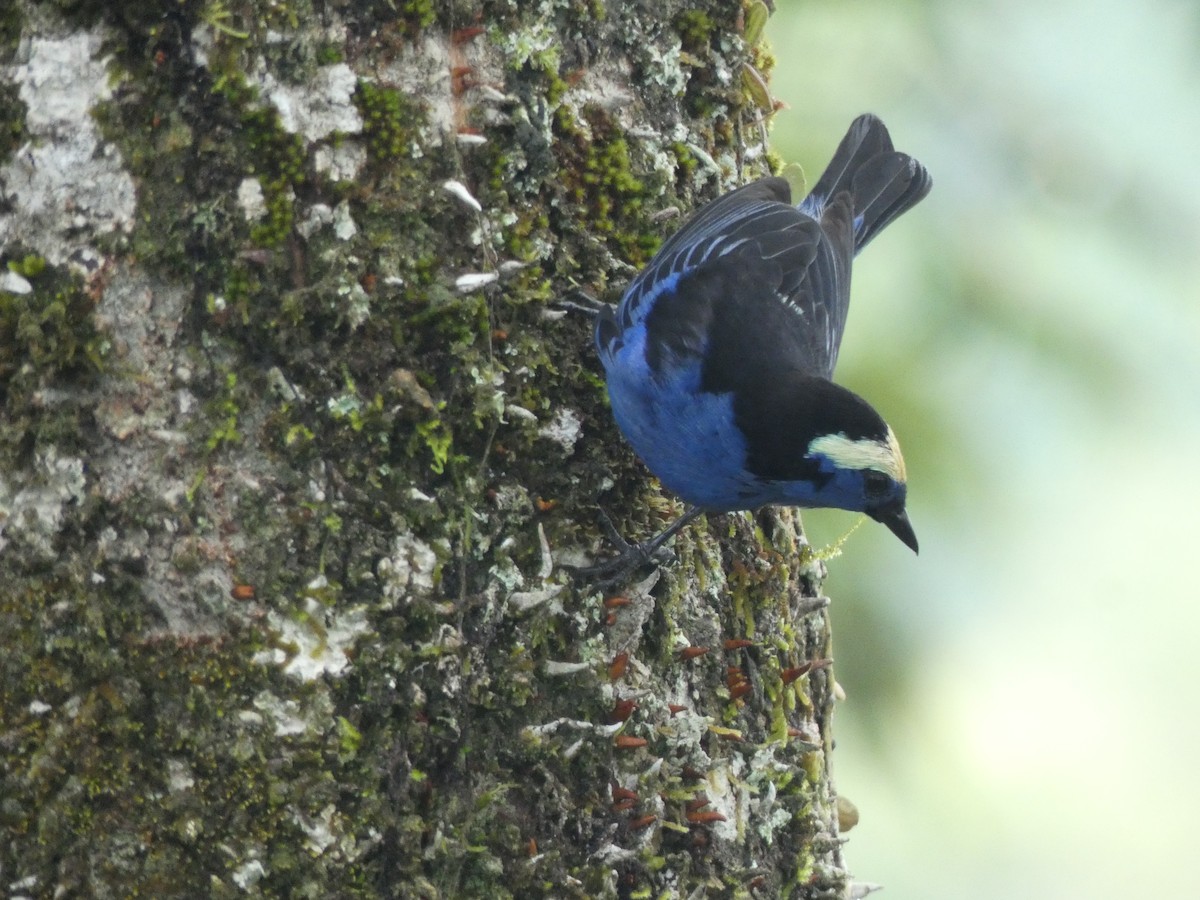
x: 684, y: 436
x: 689, y: 438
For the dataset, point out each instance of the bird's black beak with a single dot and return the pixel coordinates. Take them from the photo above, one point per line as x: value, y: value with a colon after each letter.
x: 896, y: 519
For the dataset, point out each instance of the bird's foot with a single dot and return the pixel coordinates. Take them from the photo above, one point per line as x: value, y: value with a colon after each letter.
x: 579, y: 300
x: 631, y: 556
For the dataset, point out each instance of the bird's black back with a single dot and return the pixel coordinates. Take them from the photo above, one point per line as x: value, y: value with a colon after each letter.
x: 752, y: 284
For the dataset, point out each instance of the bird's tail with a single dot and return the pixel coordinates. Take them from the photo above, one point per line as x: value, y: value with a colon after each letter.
x: 882, y: 182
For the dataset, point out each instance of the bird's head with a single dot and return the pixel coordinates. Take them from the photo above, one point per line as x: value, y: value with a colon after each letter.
x: 866, y: 474
x: 812, y: 443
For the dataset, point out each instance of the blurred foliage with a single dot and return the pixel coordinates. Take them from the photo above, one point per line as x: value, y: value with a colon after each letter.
x: 1032, y: 332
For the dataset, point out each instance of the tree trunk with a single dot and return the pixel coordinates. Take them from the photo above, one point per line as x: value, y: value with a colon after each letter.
x: 295, y: 444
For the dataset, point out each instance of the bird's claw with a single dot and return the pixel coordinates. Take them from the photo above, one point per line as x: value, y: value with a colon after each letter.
x: 579, y: 300
x: 631, y: 556
x: 608, y: 573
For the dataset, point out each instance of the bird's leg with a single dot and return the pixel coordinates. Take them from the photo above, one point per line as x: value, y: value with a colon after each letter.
x: 650, y: 547
x: 631, y: 555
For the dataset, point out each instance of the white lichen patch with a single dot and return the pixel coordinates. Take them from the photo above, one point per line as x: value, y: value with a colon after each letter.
x: 564, y: 429
x: 65, y: 186
x: 725, y: 795
x: 355, y: 304
x: 315, y: 218
x: 765, y: 769
x: 319, y: 643
x: 284, y: 714
x: 319, y: 832
x: 606, y: 85
x: 33, y: 504
x: 248, y: 874
x: 318, y: 107
x: 409, y: 571
x: 180, y: 777
x: 666, y: 65
x: 342, y: 162
x: 425, y: 68
x: 563, y: 724
x: 343, y: 222
x: 251, y: 199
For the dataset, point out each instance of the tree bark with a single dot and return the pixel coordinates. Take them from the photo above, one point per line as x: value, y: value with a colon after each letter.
x: 296, y: 443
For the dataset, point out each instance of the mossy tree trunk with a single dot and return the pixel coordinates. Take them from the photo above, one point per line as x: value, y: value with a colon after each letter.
x: 295, y: 443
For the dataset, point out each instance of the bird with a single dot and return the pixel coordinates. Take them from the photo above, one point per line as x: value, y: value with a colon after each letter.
x: 719, y: 357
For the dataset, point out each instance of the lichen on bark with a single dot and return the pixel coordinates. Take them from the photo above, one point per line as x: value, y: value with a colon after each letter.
x: 294, y: 447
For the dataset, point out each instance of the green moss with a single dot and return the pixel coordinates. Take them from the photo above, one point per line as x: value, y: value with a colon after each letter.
x: 11, y: 22
x: 224, y: 413
x: 695, y: 28
x: 436, y: 437
x: 47, y: 333
x: 29, y: 266
x: 218, y: 16
x: 278, y: 159
x: 419, y: 13
x: 12, y: 119
x: 99, y: 716
x: 686, y: 163
x: 599, y: 176
x: 390, y: 119
x: 330, y: 54
x: 277, y: 225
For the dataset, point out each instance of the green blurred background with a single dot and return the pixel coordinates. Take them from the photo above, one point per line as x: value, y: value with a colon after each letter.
x: 1021, y: 718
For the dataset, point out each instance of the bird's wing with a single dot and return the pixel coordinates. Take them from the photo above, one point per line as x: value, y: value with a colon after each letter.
x: 823, y: 297
x: 715, y: 230
x: 773, y: 298
x: 777, y: 278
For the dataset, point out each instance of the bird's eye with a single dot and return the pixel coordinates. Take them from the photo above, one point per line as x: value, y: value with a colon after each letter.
x: 875, y: 484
